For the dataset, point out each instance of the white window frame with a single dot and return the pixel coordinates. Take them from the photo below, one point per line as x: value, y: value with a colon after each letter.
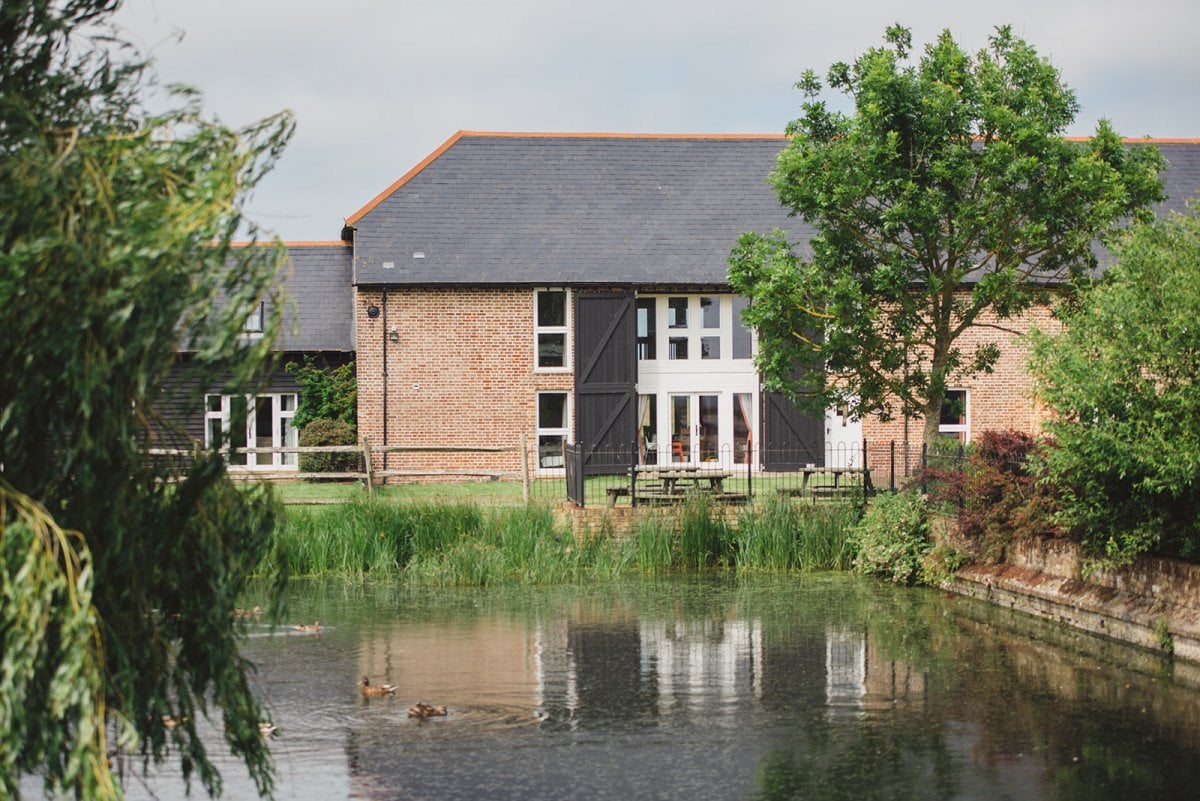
x: 550, y: 431
x: 256, y: 319
x: 564, y: 329
x: 280, y: 421
x: 960, y: 431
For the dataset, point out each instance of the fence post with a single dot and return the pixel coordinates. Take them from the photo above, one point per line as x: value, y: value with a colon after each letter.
x: 370, y: 472
x: 633, y: 461
x: 892, y: 469
x: 924, y: 468
x: 749, y: 472
x: 525, y: 469
x: 961, y: 479
x: 866, y: 475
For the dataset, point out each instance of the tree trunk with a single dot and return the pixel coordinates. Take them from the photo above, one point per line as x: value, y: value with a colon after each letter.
x: 933, y: 419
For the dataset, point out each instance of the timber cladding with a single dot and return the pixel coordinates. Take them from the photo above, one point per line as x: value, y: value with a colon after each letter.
x: 459, y: 371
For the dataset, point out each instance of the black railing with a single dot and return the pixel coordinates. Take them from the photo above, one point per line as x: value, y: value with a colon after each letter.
x: 636, y: 475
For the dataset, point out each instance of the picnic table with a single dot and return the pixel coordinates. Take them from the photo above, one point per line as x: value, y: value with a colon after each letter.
x: 664, y: 484
x: 837, y: 473
x: 679, y: 478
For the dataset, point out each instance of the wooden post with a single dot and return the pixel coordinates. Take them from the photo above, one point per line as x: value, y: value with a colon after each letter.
x: 524, y: 469
x: 370, y: 470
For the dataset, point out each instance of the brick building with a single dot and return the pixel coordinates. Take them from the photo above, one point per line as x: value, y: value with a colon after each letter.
x: 572, y: 287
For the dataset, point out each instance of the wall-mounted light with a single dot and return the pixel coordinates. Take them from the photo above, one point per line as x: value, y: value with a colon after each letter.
x: 372, y: 312
x: 394, y: 335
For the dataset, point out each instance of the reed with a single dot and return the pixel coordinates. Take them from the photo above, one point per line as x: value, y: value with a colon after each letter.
x: 783, y: 535
x: 704, y: 536
x: 458, y: 544
x: 654, y: 549
x: 366, y: 537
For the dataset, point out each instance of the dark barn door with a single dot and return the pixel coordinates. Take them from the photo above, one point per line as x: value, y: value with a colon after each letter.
x: 605, y: 380
x: 791, y: 439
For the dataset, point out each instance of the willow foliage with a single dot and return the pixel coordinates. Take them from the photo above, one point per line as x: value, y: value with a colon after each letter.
x: 116, y: 231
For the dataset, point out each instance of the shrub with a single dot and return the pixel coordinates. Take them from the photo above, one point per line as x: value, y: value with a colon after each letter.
x: 998, y: 494
x: 328, y: 432
x: 893, y: 537
x: 1121, y: 383
x: 326, y: 393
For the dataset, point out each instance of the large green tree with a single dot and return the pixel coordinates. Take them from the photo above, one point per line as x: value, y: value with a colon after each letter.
x: 1122, y: 382
x: 119, y: 572
x: 946, y: 199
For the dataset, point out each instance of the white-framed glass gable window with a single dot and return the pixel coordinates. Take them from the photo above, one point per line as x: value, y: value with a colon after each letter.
x: 705, y: 328
x: 262, y: 421
x: 550, y: 329
x: 955, y: 421
x: 552, y: 421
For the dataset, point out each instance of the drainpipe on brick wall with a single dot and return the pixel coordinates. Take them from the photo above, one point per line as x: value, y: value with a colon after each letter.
x: 905, y: 411
x: 385, y: 378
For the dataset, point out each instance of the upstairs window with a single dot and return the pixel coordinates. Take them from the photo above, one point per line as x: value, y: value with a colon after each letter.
x: 677, y: 321
x: 254, y: 320
x: 647, y: 340
x: 710, y: 323
x: 742, y: 339
x: 550, y: 329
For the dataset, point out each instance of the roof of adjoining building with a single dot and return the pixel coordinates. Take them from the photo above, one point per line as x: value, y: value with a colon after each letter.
x: 574, y: 209
x: 318, y: 311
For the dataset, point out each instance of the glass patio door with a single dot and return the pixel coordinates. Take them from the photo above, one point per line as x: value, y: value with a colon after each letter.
x: 695, y: 428
x: 253, y: 421
x: 269, y: 425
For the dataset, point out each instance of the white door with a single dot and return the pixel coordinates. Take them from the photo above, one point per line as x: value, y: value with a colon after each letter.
x: 843, y: 439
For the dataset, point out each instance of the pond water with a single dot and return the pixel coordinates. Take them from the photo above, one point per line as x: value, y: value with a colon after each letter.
x: 813, y: 687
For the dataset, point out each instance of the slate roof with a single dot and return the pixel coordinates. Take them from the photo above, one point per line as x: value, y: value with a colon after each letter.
x: 319, y: 312
x: 1181, y: 181
x: 570, y: 209
x: 577, y: 209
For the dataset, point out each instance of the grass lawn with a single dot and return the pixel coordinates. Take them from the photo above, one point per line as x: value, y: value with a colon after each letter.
x: 508, y: 493
x: 501, y: 493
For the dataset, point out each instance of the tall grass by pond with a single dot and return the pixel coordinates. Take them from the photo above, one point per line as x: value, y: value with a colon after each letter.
x: 460, y: 544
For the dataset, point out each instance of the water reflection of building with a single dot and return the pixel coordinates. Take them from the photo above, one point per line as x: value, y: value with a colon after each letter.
x: 697, y: 664
x: 566, y: 671
x: 859, y: 677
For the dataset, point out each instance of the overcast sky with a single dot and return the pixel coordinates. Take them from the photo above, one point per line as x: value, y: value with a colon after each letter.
x: 377, y: 86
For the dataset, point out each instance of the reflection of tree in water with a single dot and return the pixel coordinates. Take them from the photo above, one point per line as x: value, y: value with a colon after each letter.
x: 866, y: 759
x: 1063, y: 711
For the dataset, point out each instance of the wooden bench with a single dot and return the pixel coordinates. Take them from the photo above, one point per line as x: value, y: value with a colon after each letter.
x: 622, y: 491
x: 618, y: 491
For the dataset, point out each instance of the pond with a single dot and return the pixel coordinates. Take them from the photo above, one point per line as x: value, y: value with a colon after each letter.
x: 813, y: 687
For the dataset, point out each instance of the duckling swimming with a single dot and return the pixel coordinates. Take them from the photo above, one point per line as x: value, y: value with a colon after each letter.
x: 304, y: 628
x: 423, y: 710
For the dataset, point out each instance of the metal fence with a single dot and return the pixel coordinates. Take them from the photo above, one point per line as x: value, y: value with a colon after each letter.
x: 633, y: 476
x: 630, y: 476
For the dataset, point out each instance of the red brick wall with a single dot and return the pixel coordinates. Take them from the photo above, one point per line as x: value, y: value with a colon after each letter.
x: 460, y: 374
x: 999, y: 400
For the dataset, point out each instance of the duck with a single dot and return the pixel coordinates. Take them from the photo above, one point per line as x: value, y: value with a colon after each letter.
x: 423, y: 710
x: 304, y: 628
x: 244, y: 613
x: 368, y: 689
x: 267, y: 729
